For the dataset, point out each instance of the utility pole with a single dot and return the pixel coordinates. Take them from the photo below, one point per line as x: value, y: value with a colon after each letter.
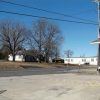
x: 98, y: 33
x: 98, y: 39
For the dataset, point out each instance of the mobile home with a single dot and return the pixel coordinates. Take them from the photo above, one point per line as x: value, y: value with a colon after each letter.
x: 81, y: 60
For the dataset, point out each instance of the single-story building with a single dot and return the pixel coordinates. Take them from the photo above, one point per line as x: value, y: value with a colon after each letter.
x: 21, y: 58
x: 17, y: 58
x: 81, y: 60
x: 58, y: 60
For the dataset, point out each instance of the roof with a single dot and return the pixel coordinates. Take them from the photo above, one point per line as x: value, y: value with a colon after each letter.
x: 83, y: 57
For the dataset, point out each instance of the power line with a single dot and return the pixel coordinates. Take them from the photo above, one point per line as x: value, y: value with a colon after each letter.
x: 84, y: 11
x: 23, y: 14
x: 48, y: 11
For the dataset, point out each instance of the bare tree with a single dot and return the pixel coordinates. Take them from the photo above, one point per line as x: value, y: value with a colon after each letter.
x: 68, y: 53
x: 44, y: 38
x: 36, y: 38
x: 12, y: 36
x: 53, y: 39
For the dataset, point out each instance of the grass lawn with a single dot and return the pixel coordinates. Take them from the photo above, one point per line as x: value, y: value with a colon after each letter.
x: 21, y: 65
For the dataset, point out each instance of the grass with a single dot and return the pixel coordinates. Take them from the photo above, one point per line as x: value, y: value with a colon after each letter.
x: 83, y: 70
x: 21, y: 65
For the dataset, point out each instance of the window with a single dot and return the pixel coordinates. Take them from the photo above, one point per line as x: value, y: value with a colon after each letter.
x: 68, y: 60
x: 20, y: 56
x: 83, y: 60
x: 71, y: 60
x: 92, y: 59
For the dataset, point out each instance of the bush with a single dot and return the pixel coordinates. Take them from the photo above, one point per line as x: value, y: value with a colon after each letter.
x: 2, y: 56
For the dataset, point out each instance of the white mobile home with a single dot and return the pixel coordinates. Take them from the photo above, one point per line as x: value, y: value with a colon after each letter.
x: 21, y: 58
x: 17, y: 58
x: 81, y: 60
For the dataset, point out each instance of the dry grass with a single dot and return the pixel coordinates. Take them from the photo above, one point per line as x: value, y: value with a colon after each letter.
x: 83, y: 70
x: 21, y: 65
x: 7, y: 65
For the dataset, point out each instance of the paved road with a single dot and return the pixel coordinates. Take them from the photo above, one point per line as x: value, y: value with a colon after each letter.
x: 36, y: 71
x: 50, y: 87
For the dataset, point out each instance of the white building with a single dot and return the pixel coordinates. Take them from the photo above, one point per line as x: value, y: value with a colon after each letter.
x: 81, y: 60
x: 17, y: 58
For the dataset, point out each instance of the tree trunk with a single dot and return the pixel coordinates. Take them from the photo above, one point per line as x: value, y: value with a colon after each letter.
x: 47, y: 58
x: 39, y: 58
x: 13, y: 57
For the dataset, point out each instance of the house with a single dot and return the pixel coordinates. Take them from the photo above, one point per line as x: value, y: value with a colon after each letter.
x: 18, y: 57
x: 24, y: 55
x: 58, y: 60
x: 21, y: 58
x: 81, y: 60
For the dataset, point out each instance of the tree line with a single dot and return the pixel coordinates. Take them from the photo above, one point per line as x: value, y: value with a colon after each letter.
x: 43, y: 38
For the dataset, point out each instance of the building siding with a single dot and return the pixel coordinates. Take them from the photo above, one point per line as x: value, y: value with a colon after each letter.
x: 81, y: 60
x: 17, y: 58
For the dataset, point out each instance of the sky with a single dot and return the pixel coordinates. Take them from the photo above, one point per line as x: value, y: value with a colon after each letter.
x: 77, y: 36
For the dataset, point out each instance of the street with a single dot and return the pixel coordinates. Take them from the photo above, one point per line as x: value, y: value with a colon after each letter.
x: 48, y: 84
x: 36, y: 71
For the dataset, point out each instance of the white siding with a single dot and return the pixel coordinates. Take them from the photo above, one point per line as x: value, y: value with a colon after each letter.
x: 17, y: 58
x: 90, y: 60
